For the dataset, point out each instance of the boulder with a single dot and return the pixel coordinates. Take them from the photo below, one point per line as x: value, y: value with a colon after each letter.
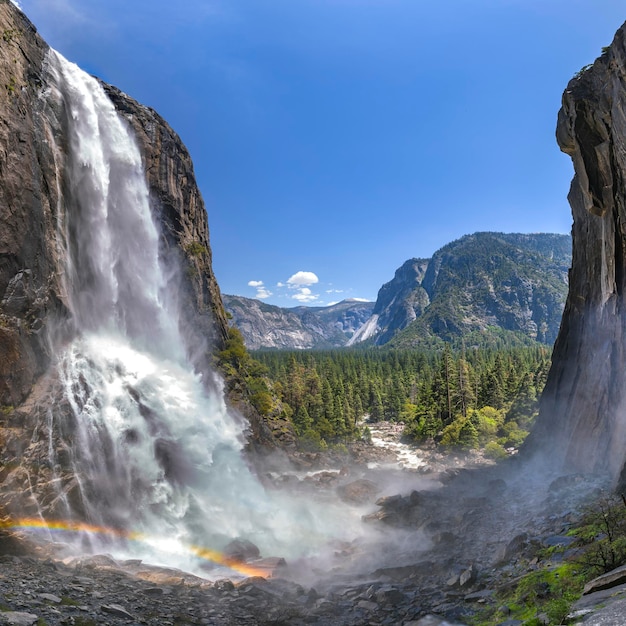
x: 117, y: 610
x: 358, y: 492
x: 241, y: 550
x: 270, y: 566
x: 515, y: 547
x: 17, y: 618
x: 606, y: 581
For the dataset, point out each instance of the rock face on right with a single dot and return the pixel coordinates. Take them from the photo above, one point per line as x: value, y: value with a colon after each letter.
x: 582, y: 420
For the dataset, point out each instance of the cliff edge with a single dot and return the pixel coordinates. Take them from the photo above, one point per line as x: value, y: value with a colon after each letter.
x: 33, y: 295
x: 582, y: 418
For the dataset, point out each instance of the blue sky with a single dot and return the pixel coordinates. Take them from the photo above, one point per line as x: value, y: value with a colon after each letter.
x: 334, y: 139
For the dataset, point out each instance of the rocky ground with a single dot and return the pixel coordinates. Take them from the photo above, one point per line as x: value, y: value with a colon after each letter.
x: 99, y: 590
x: 456, y: 530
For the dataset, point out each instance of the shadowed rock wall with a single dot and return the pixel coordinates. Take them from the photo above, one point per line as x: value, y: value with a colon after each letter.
x: 35, y: 322
x: 582, y: 421
x: 32, y: 291
x: 30, y: 279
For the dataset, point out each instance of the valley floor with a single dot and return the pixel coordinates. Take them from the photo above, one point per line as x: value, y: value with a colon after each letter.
x: 444, y: 536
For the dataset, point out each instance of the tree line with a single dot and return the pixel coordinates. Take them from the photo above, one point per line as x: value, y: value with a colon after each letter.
x: 468, y: 398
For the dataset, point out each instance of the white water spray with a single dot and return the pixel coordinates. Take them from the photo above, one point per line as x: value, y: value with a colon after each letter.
x: 152, y: 450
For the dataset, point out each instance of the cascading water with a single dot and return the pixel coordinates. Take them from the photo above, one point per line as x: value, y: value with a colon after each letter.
x: 151, y: 449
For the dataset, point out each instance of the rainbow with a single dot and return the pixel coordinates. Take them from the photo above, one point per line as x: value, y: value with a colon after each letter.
x: 212, y: 556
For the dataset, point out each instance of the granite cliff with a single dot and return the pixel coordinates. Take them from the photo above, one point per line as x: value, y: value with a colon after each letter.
x: 400, y: 301
x: 481, y: 288
x: 32, y: 290
x: 267, y: 326
x: 29, y: 196
x: 36, y: 234
x: 584, y: 402
x: 492, y: 285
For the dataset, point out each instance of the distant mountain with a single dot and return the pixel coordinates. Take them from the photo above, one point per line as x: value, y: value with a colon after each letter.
x: 400, y: 301
x: 483, y: 287
x: 486, y: 288
x: 267, y: 326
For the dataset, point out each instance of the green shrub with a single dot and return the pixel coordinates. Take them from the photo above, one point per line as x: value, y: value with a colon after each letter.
x: 495, y: 451
x: 195, y: 248
x: 602, y: 536
x: 9, y: 34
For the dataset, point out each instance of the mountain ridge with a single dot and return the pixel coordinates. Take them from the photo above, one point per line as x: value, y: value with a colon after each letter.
x: 505, y: 286
x: 272, y: 327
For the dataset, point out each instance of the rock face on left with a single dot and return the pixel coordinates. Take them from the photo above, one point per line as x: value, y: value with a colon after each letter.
x: 34, y: 318
x: 30, y: 282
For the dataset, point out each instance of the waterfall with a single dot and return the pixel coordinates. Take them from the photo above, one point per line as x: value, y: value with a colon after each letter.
x: 151, y: 450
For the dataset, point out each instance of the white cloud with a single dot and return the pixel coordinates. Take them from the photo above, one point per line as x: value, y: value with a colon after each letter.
x: 334, y: 291
x: 360, y: 299
x: 263, y: 293
x: 280, y: 284
x: 303, y: 278
x: 17, y: 4
x: 305, y: 297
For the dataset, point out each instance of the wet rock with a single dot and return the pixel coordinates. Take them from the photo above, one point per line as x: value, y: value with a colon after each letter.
x: 50, y: 598
x: 416, y: 498
x: 323, y: 478
x: 359, y: 491
x: 269, y: 566
x: 391, y: 502
x: 224, y: 585
x: 377, y: 516
x: 367, y: 605
x: 565, y: 482
x: 389, y: 595
x: 558, y: 540
x: 431, y: 620
x: 162, y: 576
x: 241, y: 550
x: 468, y: 576
x: 153, y: 591
x: 403, y: 573
x: 323, y: 605
x: 606, y: 581
x: 515, y: 547
x: 445, y: 539
x: 591, y: 602
x: 453, y: 580
x: 479, y: 596
x: 283, y: 588
x: 312, y: 597
x: 97, y: 561
x: 117, y: 610
x: 17, y: 618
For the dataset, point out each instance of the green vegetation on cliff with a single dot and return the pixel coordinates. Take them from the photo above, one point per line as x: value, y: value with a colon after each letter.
x: 250, y: 389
